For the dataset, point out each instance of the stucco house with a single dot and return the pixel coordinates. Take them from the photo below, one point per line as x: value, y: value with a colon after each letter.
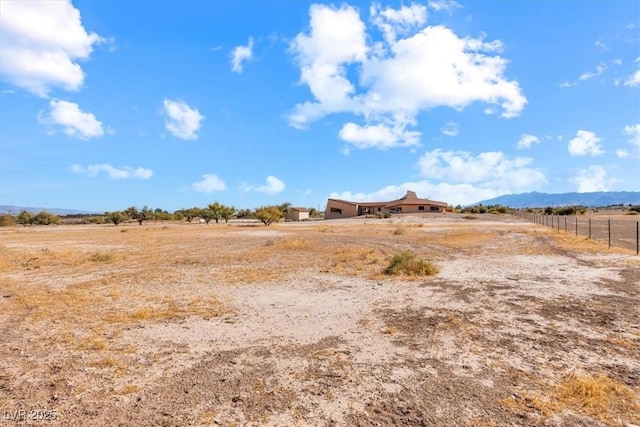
x: 297, y: 214
x: 409, y: 203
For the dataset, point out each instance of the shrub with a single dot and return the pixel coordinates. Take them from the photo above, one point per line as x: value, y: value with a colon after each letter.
x: 407, y: 263
x: 45, y: 218
x: 97, y: 219
x: 7, y: 220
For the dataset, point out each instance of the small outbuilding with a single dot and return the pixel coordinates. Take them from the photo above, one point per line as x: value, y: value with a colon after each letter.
x: 297, y: 214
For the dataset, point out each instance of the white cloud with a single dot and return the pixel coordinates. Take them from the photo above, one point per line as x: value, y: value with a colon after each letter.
x: 240, y: 55
x: 633, y: 132
x: 392, y: 22
x: 492, y: 170
x: 41, y: 43
x: 208, y: 184
x: 74, y: 122
x: 272, y: 186
x: 600, y: 44
x: 585, y: 143
x: 396, y: 79
x: 443, y: 5
x: 593, y: 178
x: 622, y: 154
x: 183, y: 121
x: 526, y: 140
x: 601, y: 68
x: 337, y: 39
x: 634, y: 79
x: 380, y: 136
x: 113, y: 173
x: 451, y: 129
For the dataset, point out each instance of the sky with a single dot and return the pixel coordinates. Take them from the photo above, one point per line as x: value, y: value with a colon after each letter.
x: 175, y: 104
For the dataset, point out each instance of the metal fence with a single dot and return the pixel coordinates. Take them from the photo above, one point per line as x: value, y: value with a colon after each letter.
x: 620, y: 231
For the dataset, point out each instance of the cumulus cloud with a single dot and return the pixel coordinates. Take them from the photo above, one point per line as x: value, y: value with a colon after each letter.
x: 112, y: 172
x: 585, y: 143
x: 41, y: 43
x: 527, y: 140
x: 593, y: 178
x: 451, y: 129
x: 73, y: 121
x: 622, y: 154
x: 272, y: 186
x: 633, y: 133
x: 240, y: 55
x: 182, y: 121
x: 493, y: 169
x: 411, y: 70
x: 208, y: 184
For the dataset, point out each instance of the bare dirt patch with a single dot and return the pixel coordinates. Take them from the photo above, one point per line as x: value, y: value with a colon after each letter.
x: 297, y: 324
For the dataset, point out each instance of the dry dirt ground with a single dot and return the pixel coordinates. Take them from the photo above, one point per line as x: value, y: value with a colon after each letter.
x: 295, y: 324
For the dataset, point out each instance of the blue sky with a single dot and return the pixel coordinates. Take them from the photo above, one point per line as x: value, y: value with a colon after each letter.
x: 174, y: 104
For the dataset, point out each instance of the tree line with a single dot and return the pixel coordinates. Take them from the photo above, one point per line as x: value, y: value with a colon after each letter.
x: 215, y: 211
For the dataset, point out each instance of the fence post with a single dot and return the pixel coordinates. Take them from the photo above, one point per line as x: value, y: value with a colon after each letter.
x: 637, y: 237
x: 589, y: 227
x: 558, y: 222
x: 565, y: 223
x: 576, y: 225
x: 609, y: 230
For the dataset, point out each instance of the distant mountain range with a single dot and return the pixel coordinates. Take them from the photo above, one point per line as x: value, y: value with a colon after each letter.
x: 542, y: 200
x: 14, y: 210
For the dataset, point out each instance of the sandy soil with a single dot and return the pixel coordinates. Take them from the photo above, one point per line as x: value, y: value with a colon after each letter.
x: 294, y: 324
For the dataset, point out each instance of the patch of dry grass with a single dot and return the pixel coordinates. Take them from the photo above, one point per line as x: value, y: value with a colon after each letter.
x: 171, y: 309
x: 597, y: 397
x: 407, y: 263
x: 354, y: 260
x: 399, y: 231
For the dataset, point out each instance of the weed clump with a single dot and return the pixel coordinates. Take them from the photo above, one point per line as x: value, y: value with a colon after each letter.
x: 407, y: 263
x: 599, y: 397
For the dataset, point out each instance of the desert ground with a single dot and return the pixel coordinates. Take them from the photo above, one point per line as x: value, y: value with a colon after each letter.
x: 296, y: 324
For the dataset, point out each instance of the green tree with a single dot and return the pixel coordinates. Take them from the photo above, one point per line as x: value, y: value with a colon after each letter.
x: 132, y: 212
x: 188, y: 214
x: 269, y: 214
x: 116, y: 217
x: 45, y: 218
x: 285, y: 208
x: 227, y: 212
x: 216, y: 210
x: 25, y: 218
x: 207, y: 214
x: 145, y: 214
